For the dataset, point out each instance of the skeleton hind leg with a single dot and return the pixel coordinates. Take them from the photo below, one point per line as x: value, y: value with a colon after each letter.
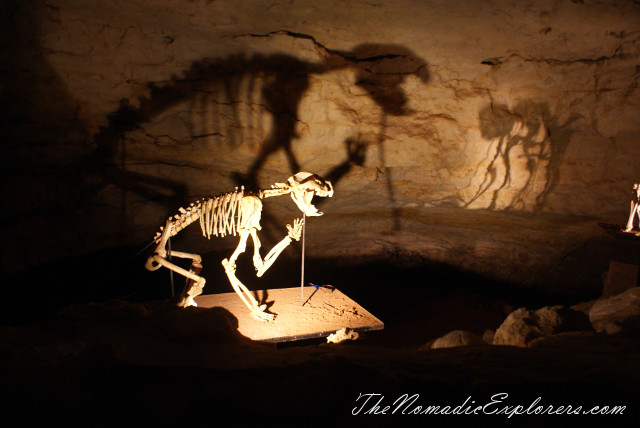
x: 194, y: 283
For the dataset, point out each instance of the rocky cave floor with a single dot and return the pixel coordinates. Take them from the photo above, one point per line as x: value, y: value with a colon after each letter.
x: 90, y: 343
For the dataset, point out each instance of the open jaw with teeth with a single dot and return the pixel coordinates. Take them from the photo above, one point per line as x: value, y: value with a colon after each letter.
x: 304, y: 186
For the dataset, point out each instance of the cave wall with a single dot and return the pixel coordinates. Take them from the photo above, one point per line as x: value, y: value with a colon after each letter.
x: 489, y: 135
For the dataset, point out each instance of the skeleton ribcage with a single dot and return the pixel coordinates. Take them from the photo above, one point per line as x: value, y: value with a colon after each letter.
x: 222, y: 215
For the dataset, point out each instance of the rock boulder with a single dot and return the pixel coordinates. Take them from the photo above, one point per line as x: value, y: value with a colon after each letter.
x: 617, y: 313
x: 457, y: 338
x: 524, y: 325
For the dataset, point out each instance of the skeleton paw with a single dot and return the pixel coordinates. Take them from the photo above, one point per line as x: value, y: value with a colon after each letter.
x: 187, y: 301
x: 296, y: 231
x: 259, y: 313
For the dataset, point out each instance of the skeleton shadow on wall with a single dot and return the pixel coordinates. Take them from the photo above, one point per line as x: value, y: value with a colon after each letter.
x: 54, y: 182
x: 526, y: 148
x: 255, y: 101
x: 111, y: 158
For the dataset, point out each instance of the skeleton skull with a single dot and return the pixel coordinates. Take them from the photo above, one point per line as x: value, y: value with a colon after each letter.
x: 304, y: 186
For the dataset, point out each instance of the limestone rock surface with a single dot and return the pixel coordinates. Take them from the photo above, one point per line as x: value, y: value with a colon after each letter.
x: 620, y: 277
x: 490, y: 136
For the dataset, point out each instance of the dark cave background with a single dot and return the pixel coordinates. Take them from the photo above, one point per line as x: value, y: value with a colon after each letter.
x: 90, y: 171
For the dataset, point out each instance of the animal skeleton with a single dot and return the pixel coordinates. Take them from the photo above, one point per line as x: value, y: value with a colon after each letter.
x: 236, y: 212
x: 635, y: 207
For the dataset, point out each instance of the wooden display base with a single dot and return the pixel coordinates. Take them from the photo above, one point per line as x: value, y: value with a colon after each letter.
x: 618, y: 232
x: 324, y: 312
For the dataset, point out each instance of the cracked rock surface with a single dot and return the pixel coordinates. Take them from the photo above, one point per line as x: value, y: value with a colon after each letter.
x: 490, y: 136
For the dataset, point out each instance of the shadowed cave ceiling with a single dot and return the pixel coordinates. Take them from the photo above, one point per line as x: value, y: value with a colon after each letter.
x: 492, y: 136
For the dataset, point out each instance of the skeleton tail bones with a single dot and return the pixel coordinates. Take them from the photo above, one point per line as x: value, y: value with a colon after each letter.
x: 236, y: 212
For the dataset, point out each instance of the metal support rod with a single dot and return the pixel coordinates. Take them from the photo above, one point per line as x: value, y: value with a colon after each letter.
x: 304, y: 227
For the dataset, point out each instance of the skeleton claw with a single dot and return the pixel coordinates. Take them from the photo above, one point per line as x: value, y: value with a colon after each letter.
x: 259, y: 313
x: 187, y: 301
x: 295, y: 231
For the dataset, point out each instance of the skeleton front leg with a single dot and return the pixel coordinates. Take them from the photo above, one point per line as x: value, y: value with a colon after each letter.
x: 294, y: 233
x: 257, y: 311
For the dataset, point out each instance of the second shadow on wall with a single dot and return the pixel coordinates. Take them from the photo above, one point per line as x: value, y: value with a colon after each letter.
x: 528, y: 130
